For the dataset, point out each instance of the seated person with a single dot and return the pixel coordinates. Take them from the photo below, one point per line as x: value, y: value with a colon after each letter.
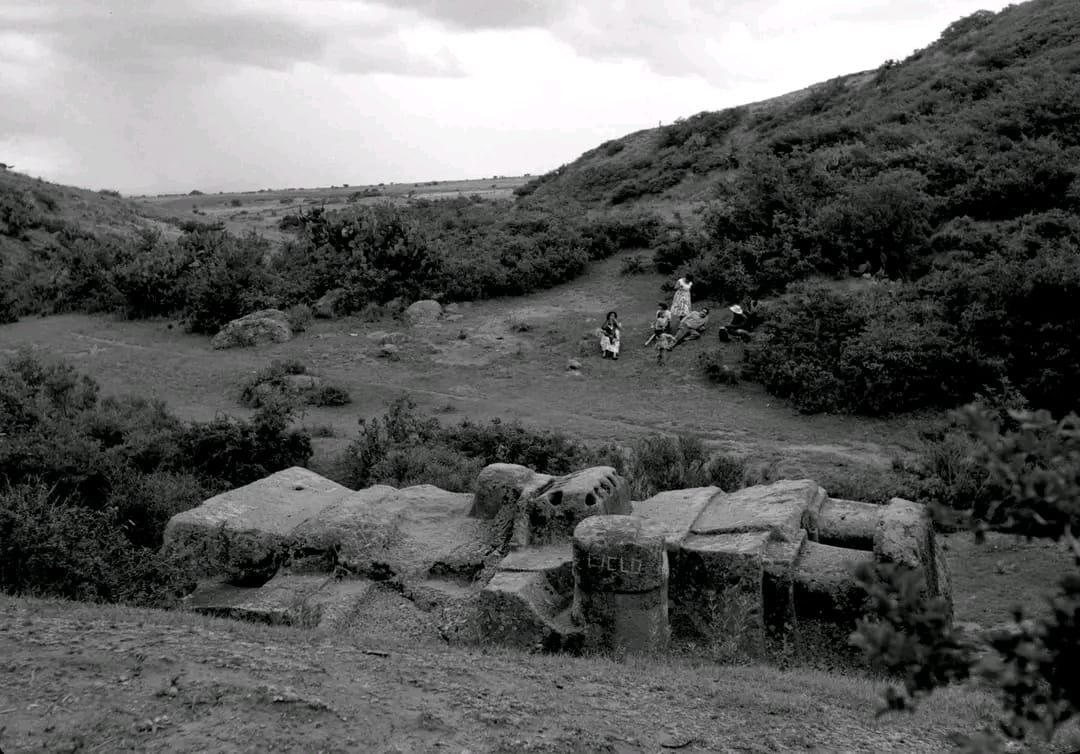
x: 692, y: 325
x: 739, y: 326
x: 610, y: 335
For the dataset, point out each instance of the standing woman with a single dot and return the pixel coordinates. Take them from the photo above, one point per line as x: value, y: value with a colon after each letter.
x: 610, y: 335
x: 680, y: 304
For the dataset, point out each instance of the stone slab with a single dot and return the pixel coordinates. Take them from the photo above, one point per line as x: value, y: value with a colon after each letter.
x: 783, y: 509
x: 287, y: 599
x: 519, y: 609
x: 778, y: 594
x: 675, y: 511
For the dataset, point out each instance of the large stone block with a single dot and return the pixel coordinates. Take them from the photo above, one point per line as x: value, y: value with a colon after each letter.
x: 903, y: 534
x: 307, y: 600
x: 551, y: 514
x: 621, y: 583
x: 847, y: 523
x: 519, y: 609
x: 502, y: 484
x: 554, y: 561
x: 675, y: 511
x: 242, y: 534
x: 413, y: 532
x: 780, y: 560
x: 353, y: 522
x: 784, y: 509
x: 623, y: 554
x: 717, y: 587
x: 828, y: 601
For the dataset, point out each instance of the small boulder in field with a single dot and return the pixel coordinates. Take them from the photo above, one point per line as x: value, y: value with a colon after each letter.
x: 390, y: 351
x: 256, y: 329
x: 573, y: 365
x: 423, y: 312
x: 327, y: 305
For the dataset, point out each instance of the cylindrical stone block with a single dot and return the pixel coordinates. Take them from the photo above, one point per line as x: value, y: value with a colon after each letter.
x: 620, y: 583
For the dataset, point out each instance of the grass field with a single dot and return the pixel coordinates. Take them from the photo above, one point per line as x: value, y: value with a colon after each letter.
x: 261, y: 211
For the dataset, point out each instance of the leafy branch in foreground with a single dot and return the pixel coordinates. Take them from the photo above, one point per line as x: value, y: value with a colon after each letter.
x: 1029, y: 661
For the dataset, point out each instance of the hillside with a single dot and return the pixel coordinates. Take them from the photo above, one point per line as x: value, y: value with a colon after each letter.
x: 989, y: 81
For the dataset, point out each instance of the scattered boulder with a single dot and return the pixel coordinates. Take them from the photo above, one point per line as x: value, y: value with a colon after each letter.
x: 423, y: 312
x: 573, y: 365
x: 327, y: 305
x: 390, y: 351
x: 382, y: 337
x: 256, y: 329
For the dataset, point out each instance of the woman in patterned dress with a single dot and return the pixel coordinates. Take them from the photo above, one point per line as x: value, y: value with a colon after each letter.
x: 680, y: 304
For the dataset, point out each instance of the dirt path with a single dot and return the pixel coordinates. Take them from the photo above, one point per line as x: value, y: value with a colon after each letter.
x: 78, y: 678
x: 504, y: 358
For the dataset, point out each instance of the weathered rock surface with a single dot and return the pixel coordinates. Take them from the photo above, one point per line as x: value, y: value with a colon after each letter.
x: 255, y: 329
x: 552, y: 512
x: 675, y: 511
x: 502, y: 484
x: 621, y: 583
x: 242, y: 534
x: 423, y: 312
x: 287, y: 599
x: 828, y: 600
x: 847, y: 523
x: 783, y: 508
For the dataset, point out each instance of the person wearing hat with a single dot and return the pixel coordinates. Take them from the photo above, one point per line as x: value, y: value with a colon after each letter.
x: 737, y: 326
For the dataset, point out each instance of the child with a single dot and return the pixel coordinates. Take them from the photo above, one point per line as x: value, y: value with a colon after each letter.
x: 661, y: 324
x: 664, y: 343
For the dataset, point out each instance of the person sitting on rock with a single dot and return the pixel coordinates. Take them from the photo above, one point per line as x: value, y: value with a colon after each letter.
x: 610, y: 334
x: 692, y: 326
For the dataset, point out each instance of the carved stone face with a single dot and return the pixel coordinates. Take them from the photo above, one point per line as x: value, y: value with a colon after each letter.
x: 555, y: 509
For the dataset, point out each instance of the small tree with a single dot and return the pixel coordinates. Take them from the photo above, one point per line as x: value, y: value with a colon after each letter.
x: 1031, y: 661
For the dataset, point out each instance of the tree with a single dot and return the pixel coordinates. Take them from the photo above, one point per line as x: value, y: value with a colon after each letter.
x: 1030, y: 661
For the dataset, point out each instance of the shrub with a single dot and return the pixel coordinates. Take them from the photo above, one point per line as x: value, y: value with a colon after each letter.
x: 633, y: 265
x: 716, y: 368
x: 329, y: 395
x: 660, y: 462
x: 299, y: 317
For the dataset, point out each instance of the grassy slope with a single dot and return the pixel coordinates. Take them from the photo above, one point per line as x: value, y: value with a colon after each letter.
x: 935, y: 90
x: 86, y: 678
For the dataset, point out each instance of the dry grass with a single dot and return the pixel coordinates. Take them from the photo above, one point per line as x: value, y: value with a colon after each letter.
x: 120, y: 679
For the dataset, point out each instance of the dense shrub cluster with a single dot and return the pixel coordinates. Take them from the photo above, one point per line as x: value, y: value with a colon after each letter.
x: 450, y: 250
x: 89, y: 483
x: 289, y: 383
x: 995, y: 314
x: 403, y: 447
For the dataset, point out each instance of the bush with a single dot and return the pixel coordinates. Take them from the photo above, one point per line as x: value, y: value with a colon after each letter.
x: 660, y: 463
x: 329, y: 395
x: 716, y: 368
x: 633, y: 265
x: 89, y: 483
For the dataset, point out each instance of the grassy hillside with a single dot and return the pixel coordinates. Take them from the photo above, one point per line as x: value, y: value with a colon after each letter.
x: 990, y: 79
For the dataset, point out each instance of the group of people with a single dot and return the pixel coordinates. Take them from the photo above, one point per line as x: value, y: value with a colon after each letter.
x: 673, y: 324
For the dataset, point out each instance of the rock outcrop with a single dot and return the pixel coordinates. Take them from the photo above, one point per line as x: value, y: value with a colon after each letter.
x: 255, y: 329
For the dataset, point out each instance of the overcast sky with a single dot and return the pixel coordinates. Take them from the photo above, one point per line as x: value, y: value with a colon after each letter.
x: 171, y: 95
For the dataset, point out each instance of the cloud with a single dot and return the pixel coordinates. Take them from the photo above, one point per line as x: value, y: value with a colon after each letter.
x: 189, y: 37
x: 722, y: 41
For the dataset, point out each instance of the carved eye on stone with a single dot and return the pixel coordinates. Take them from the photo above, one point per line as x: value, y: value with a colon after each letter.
x: 590, y: 500
x: 555, y: 498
